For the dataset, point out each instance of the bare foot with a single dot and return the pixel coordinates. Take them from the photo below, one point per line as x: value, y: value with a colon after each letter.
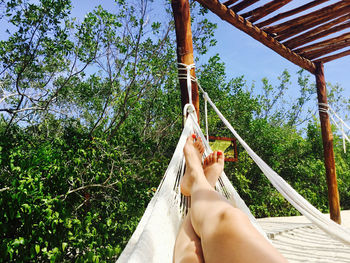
x: 193, y: 151
x: 199, y: 145
x: 213, y: 166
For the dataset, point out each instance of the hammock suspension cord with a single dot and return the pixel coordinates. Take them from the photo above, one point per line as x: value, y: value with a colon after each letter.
x: 339, y: 123
x: 187, y: 76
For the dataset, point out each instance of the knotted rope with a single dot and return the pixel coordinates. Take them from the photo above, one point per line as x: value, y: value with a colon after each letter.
x: 340, y: 124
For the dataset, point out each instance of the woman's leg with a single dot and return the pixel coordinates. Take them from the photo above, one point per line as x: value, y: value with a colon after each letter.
x: 226, y: 233
x: 188, y: 247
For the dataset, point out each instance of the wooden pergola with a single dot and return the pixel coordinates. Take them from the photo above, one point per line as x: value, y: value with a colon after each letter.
x: 307, y: 35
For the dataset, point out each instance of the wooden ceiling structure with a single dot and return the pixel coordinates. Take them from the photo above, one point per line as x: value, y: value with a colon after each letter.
x: 302, y: 38
x: 308, y: 34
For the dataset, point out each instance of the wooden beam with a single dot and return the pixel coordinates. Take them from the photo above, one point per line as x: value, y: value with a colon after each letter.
x: 258, y: 9
x: 331, y: 48
x: 182, y: 18
x: 242, y: 5
x: 312, y: 23
x: 231, y: 17
x: 264, y: 10
x: 299, y: 21
x: 333, y: 57
x: 290, y: 13
x: 327, y: 139
x: 323, y: 44
x: 230, y: 2
x: 316, y: 33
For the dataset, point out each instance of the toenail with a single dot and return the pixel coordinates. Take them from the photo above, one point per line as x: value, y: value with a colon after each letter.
x: 219, y: 153
x: 194, y: 136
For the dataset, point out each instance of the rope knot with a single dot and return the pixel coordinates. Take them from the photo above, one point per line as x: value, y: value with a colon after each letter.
x: 205, y: 96
x: 187, y: 77
x: 323, y: 107
x: 190, y: 109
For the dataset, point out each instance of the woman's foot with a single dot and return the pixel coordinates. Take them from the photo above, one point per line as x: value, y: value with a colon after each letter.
x: 213, y: 167
x: 193, y: 151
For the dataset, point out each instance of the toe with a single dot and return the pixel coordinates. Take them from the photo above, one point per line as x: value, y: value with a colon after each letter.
x: 191, y: 138
x: 211, y: 158
x: 202, y: 149
x: 220, y: 157
x: 215, y: 157
x: 200, y: 145
x: 207, y: 161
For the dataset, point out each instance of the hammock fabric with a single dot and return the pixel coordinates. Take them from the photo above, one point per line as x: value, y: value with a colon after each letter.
x: 154, y: 237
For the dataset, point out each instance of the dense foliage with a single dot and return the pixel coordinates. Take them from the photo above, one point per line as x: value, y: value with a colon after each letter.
x: 91, y: 116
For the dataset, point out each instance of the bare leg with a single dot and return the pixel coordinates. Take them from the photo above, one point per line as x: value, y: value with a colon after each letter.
x: 226, y: 233
x: 188, y: 247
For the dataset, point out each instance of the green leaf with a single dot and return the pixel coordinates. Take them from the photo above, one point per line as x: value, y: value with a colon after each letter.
x: 37, y: 248
x: 64, y: 245
x: 18, y: 241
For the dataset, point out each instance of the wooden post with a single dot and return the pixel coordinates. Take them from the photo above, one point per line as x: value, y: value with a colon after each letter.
x: 327, y: 138
x: 182, y: 17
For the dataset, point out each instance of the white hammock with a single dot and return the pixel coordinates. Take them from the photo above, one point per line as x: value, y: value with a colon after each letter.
x: 154, y: 237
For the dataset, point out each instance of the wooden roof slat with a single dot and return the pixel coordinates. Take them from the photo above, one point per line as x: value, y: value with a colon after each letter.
x: 315, y: 22
x: 328, y: 49
x: 299, y: 21
x: 230, y: 2
x: 301, y: 30
x: 315, y: 33
x: 264, y: 10
x: 318, y: 32
x: 290, y: 13
x: 324, y: 43
x: 242, y: 5
x: 333, y: 57
x: 239, y: 22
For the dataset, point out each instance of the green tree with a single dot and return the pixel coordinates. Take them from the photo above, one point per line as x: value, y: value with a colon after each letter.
x: 83, y: 152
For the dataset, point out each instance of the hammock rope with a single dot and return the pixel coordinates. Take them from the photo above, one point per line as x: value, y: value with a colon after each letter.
x: 339, y: 123
x: 206, y: 115
x: 188, y: 77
